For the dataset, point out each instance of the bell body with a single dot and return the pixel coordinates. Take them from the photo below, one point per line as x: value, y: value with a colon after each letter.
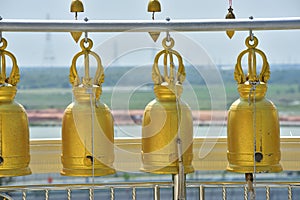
x: 154, y: 6
x: 14, y: 135
x: 76, y: 6
x: 82, y: 127
x: 163, y: 119
x: 253, y: 123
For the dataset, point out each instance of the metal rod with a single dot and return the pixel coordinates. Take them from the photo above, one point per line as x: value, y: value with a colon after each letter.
x: 224, y: 193
x: 249, y: 182
x: 112, y: 193
x: 290, y: 194
x: 179, y: 193
x: 246, y: 192
x: 46, y: 194
x: 91, y: 193
x: 69, y: 194
x: 156, y: 192
x: 133, y: 193
x: 267, y: 193
x: 186, y: 25
x: 201, y: 193
x: 24, y: 195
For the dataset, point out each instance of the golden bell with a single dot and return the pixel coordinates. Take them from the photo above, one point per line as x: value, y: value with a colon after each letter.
x: 166, y: 120
x: 76, y: 6
x: 230, y: 15
x: 87, y: 126
x: 253, y: 134
x: 154, y: 6
x: 14, y: 131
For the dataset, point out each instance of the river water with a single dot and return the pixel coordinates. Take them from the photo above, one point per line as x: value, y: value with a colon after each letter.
x: 130, y: 131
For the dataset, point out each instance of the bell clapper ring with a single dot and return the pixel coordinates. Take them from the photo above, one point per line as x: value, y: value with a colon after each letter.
x: 168, y: 42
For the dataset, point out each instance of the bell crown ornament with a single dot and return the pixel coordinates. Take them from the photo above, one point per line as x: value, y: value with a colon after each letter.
x: 8, y: 84
x: 14, y: 76
x: 87, y: 81
x: 246, y: 81
x: 170, y: 79
x: 252, y: 76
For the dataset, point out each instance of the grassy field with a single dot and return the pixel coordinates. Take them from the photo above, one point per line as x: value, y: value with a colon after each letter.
x: 40, y: 90
x: 286, y: 97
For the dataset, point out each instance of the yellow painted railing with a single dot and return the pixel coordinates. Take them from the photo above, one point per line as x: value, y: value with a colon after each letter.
x: 209, y: 154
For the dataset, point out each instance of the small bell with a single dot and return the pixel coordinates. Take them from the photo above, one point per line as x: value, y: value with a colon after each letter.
x: 154, y: 6
x: 167, y: 120
x: 87, y: 127
x: 230, y: 15
x: 14, y: 131
x: 76, y: 6
x: 253, y: 134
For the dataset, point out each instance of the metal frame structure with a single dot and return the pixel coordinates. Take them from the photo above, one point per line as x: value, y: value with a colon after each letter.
x: 7, y: 25
x: 215, y: 160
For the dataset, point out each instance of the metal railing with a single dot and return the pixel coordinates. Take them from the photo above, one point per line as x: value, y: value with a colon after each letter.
x: 128, y: 157
x: 188, y: 25
x: 152, y: 190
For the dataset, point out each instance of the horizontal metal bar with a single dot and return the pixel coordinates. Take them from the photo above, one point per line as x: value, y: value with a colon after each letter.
x: 149, y: 25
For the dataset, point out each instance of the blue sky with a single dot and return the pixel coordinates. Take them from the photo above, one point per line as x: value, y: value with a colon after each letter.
x: 32, y: 49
